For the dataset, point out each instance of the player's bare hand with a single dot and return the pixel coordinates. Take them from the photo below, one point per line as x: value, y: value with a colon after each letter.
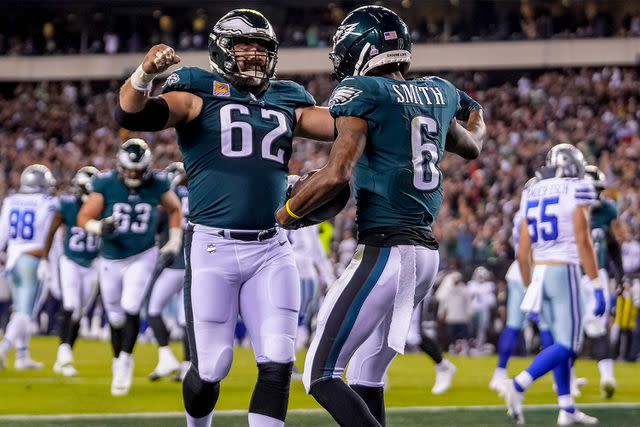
x: 159, y: 58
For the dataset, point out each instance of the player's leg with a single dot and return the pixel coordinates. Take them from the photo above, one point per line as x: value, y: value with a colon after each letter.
x: 71, y: 278
x: 269, y: 303
x: 596, y: 330
x: 369, y: 363
x: 509, y: 336
x: 110, y: 274
x: 27, y: 289
x: 308, y: 288
x: 182, y: 322
x: 135, y: 284
x: 166, y: 286
x: 211, y: 290
x: 352, y: 310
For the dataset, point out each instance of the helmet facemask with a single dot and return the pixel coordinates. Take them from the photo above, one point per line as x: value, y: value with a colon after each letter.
x: 249, y: 68
x: 134, y: 162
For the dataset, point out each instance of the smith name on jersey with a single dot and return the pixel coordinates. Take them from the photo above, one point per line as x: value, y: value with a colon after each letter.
x: 134, y: 210
x: 236, y: 153
x: 79, y: 246
x: 398, y: 181
x: 548, y: 207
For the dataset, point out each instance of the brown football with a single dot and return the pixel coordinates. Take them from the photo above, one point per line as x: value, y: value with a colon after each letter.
x: 329, y: 209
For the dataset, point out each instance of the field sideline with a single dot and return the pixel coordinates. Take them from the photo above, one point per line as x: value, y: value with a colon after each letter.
x: 411, y: 377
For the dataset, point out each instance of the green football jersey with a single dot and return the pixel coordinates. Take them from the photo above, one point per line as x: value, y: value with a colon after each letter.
x: 236, y: 153
x: 79, y: 246
x: 397, y: 180
x: 134, y: 210
x: 602, y: 216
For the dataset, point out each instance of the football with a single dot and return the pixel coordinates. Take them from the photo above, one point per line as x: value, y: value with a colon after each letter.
x: 328, y: 210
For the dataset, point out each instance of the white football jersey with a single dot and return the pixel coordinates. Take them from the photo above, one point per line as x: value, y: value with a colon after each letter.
x: 24, y: 223
x: 548, y: 207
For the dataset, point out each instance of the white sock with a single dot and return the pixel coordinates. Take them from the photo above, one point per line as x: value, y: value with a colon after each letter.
x: 259, y: 420
x: 566, y: 402
x: 606, y: 369
x: 500, y: 373
x: 199, y: 422
x: 524, y: 379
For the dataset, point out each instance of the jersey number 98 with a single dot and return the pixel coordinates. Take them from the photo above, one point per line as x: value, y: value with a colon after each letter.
x: 21, y: 223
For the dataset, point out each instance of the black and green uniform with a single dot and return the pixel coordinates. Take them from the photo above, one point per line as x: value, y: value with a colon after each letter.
x: 602, y: 216
x: 79, y: 246
x: 398, y: 181
x: 135, y: 212
x: 236, y: 152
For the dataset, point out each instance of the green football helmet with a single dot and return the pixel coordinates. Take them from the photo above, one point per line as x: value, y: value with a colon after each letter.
x: 243, y: 25
x: 369, y: 37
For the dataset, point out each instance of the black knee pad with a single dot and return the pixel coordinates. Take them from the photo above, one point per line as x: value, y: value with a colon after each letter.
x: 200, y: 397
x: 271, y: 393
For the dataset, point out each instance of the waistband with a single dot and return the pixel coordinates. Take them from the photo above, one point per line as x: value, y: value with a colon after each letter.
x: 243, y: 235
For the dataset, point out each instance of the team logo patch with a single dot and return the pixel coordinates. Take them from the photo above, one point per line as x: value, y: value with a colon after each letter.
x: 343, y: 31
x: 172, y: 79
x: 390, y: 35
x: 221, y: 89
x: 343, y: 95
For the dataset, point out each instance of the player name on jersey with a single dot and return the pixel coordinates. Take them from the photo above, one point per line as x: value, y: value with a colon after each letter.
x: 410, y: 94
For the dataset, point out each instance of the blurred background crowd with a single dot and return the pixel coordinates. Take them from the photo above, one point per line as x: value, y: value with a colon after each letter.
x: 67, y: 125
x: 119, y: 27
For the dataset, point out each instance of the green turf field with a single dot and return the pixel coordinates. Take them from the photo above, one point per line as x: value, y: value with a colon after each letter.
x: 411, y: 377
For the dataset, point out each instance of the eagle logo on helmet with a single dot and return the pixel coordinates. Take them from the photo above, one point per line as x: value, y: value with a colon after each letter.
x: 343, y: 31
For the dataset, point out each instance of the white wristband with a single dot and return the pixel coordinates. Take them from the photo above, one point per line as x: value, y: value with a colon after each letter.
x: 93, y: 226
x: 596, y: 283
x: 140, y: 80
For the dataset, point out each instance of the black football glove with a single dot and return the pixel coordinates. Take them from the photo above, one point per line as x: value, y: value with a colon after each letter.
x: 107, y: 226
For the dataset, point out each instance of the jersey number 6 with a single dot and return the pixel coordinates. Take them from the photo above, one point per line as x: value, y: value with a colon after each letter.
x: 425, y: 156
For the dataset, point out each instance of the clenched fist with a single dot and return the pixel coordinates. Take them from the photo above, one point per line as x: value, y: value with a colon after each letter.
x: 159, y: 58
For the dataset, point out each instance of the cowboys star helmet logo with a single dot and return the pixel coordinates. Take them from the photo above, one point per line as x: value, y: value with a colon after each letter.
x: 344, y: 95
x: 343, y: 31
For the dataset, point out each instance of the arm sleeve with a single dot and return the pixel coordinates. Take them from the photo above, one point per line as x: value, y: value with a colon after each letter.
x: 351, y: 98
x: 99, y: 184
x: 585, y: 193
x: 466, y: 106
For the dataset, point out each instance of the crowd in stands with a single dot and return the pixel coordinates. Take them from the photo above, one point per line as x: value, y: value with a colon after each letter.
x: 101, y: 30
x: 69, y: 125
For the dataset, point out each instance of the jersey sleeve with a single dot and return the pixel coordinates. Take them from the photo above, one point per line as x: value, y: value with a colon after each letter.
x: 584, y: 193
x: 302, y: 97
x: 351, y: 97
x: 100, y: 183
x: 179, y: 80
x: 162, y: 182
x: 4, y: 224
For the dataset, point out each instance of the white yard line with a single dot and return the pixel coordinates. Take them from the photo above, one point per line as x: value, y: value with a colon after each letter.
x: 70, y: 417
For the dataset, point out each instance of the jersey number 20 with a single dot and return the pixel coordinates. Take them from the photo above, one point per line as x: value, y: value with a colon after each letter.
x: 425, y: 156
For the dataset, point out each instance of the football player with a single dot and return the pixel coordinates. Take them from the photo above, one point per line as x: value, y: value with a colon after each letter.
x: 122, y: 208
x: 310, y: 259
x: 603, y: 221
x: 554, y: 242
x: 235, y: 126
x: 169, y: 282
x: 78, y: 275
x: 392, y: 134
x: 24, y: 222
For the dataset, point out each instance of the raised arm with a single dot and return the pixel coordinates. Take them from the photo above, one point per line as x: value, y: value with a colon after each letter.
x: 137, y: 111
x: 328, y: 181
